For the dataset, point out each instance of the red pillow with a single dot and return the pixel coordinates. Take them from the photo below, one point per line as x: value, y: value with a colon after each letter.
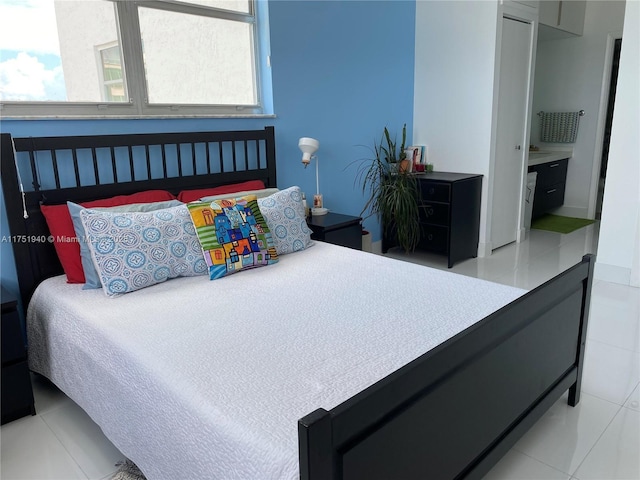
x: 61, y: 227
x: 187, y: 196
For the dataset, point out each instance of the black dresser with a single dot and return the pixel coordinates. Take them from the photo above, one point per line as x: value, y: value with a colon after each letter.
x: 449, y: 215
x: 17, y: 394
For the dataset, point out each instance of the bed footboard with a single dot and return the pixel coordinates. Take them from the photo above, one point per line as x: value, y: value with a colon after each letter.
x: 457, y: 409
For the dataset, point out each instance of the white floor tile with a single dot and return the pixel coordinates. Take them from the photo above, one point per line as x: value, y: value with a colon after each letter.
x: 614, y: 315
x: 47, y: 396
x: 421, y: 257
x: 30, y: 451
x: 84, y: 440
x: 610, y: 373
x: 633, y: 401
x: 518, y: 466
x: 491, y: 268
x: 589, y: 234
x: 539, y: 242
x: 616, y: 456
x: 563, y: 437
x: 532, y: 275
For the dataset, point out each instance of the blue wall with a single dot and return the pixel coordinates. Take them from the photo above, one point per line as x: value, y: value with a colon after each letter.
x: 341, y: 72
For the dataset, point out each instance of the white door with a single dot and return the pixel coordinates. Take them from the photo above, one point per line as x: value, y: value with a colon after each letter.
x: 508, y: 174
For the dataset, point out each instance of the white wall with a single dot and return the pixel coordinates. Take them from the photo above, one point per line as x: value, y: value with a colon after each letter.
x: 82, y: 27
x: 619, y: 245
x: 453, y: 95
x: 569, y: 77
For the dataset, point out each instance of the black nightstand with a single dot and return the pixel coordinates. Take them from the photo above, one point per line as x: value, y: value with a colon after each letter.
x: 17, y: 394
x: 338, y: 229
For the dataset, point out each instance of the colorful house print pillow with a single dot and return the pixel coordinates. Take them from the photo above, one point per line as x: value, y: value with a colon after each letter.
x: 233, y: 234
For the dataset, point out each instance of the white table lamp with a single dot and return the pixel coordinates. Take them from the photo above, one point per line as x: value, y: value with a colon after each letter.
x: 309, y: 146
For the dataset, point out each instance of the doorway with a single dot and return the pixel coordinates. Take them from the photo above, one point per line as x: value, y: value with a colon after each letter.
x: 615, y: 63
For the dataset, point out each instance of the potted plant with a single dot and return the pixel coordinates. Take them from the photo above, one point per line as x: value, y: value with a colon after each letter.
x: 397, y: 159
x: 392, y: 192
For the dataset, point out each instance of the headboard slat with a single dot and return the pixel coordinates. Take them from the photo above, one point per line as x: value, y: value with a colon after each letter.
x: 132, y: 169
x: 56, y: 170
x: 96, y: 171
x: 148, y: 161
x: 164, y: 160
x: 32, y: 162
x: 193, y: 159
x: 179, y: 154
x: 258, y: 153
x: 112, y: 150
x: 76, y: 170
x: 207, y: 153
x: 234, y: 156
x: 220, y: 161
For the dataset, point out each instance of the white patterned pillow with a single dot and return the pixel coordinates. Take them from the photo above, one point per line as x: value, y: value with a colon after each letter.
x: 135, y: 250
x: 284, y: 214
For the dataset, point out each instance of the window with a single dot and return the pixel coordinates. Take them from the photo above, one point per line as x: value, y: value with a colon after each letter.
x: 129, y: 58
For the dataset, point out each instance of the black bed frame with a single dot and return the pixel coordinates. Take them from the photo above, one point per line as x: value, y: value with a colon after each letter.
x: 451, y: 413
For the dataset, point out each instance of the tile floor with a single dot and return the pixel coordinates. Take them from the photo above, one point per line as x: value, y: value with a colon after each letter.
x: 598, y: 439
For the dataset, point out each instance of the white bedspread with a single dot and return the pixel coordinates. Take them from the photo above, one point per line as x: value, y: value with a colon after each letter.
x: 199, y: 379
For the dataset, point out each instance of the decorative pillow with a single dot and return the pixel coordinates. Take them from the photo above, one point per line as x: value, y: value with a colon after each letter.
x: 91, y: 277
x: 61, y: 227
x: 284, y: 213
x: 135, y: 250
x: 193, y: 195
x: 261, y: 193
x: 233, y: 235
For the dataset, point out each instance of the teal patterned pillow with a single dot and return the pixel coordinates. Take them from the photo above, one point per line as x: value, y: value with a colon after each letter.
x: 91, y: 277
x: 133, y: 250
x: 284, y: 214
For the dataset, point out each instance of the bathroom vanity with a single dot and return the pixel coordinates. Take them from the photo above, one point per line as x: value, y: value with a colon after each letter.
x: 551, y: 168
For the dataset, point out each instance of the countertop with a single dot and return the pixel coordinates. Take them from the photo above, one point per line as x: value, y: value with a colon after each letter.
x: 544, y: 156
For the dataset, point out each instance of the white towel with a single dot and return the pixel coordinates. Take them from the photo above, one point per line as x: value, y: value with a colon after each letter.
x: 559, y: 127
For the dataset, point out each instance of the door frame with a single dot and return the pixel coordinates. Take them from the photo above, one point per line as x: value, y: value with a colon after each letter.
x: 602, y: 120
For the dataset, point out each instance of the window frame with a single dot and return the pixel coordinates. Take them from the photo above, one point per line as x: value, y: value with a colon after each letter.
x: 128, y: 23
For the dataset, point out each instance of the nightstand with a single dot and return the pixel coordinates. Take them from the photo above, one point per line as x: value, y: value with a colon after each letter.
x: 17, y: 394
x: 338, y: 229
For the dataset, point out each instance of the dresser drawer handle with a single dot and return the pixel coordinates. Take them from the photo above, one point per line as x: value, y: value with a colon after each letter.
x: 554, y: 165
x: 552, y: 190
x: 430, y: 237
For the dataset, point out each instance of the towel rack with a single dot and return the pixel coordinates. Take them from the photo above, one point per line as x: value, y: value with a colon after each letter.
x: 582, y: 113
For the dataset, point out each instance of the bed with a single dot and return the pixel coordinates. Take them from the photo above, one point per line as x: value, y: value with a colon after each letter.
x: 297, y: 370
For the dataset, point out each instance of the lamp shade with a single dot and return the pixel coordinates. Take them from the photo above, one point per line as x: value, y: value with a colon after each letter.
x: 308, y: 146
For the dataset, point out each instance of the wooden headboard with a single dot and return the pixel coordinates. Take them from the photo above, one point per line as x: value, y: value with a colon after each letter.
x: 55, y: 170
